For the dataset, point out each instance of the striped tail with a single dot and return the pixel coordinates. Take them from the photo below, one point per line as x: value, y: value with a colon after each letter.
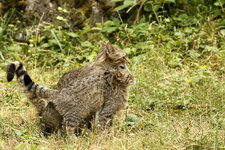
x: 31, y: 89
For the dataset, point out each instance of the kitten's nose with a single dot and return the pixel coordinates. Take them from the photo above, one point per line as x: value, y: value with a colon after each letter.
x: 133, y: 80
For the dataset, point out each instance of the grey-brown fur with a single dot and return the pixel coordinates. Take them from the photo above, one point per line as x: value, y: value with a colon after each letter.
x: 116, y: 97
x: 82, y: 98
x: 50, y: 120
x: 17, y: 68
x: 109, y: 58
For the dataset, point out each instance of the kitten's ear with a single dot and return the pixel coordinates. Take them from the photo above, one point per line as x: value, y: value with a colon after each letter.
x: 118, y: 76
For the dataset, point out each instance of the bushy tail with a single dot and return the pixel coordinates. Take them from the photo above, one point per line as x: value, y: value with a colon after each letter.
x: 30, y: 88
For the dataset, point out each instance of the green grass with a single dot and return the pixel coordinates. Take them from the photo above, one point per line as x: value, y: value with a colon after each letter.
x: 178, y: 98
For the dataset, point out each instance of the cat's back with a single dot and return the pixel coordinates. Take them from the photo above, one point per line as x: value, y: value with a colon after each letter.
x: 68, y: 76
x: 78, y: 73
x: 85, y: 94
x: 87, y: 83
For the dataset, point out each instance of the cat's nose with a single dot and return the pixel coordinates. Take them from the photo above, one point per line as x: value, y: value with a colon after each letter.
x: 134, y: 81
x: 127, y: 60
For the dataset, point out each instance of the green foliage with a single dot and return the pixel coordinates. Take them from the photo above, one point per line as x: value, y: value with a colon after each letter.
x: 178, y: 12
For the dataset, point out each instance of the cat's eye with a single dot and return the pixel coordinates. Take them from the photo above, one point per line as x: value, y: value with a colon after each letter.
x: 122, y: 67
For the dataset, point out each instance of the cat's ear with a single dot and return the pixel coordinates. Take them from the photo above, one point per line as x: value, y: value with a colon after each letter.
x: 110, y: 49
x: 103, y: 46
x: 102, y: 43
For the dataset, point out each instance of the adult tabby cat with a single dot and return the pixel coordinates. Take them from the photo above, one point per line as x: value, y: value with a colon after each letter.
x: 108, y: 58
x: 82, y: 98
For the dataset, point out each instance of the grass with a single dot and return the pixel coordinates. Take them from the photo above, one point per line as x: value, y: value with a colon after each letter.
x: 178, y: 99
x: 173, y: 112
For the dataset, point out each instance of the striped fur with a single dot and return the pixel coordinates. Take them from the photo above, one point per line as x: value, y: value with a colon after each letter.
x: 81, y: 99
x: 116, y: 96
x: 30, y: 88
x: 108, y: 58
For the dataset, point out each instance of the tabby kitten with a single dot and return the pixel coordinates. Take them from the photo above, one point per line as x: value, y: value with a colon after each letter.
x: 82, y: 98
x: 116, y: 97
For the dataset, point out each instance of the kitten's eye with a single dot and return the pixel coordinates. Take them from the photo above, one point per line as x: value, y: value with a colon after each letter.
x: 106, y: 73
